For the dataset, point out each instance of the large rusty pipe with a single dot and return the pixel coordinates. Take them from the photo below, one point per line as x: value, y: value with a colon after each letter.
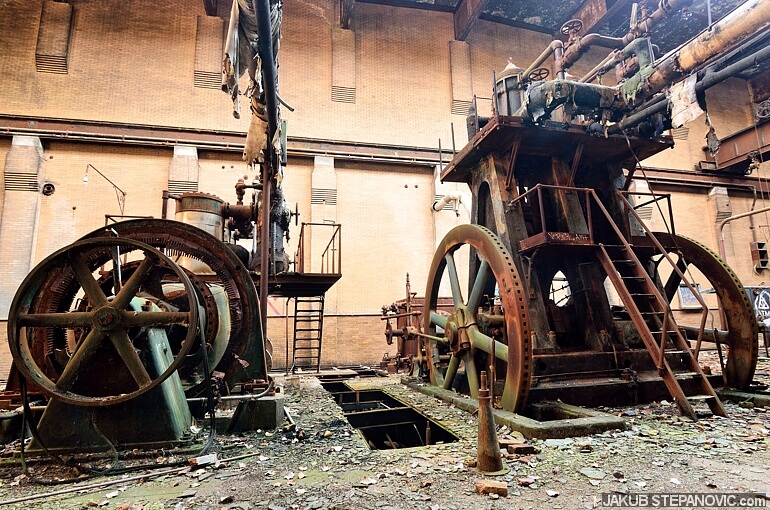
x: 710, y: 78
x: 745, y: 21
x: 269, y: 72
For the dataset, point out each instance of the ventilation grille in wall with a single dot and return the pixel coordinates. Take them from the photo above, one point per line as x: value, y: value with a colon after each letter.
x: 343, y: 66
x: 207, y: 80
x: 447, y: 207
x: 680, y: 133
x: 209, y: 38
x: 15, y: 181
x: 461, y: 107
x: 645, y: 213
x: 343, y: 94
x: 323, y: 196
x: 53, y: 38
x: 723, y: 215
x: 178, y: 187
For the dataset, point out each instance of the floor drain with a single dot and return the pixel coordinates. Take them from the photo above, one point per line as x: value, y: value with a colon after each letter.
x: 384, y: 422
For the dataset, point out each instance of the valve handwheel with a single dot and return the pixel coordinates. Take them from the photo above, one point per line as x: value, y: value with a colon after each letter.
x: 763, y: 109
x: 109, y: 327
x: 573, y: 25
x: 541, y: 73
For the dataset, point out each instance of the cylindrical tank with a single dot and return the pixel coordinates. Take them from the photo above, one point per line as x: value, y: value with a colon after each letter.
x: 205, y: 212
x: 508, y: 93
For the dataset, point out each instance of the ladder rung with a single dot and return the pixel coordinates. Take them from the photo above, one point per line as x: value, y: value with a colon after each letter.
x: 700, y: 398
x: 625, y: 262
x: 636, y: 278
x: 300, y: 348
x: 682, y: 375
x: 643, y: 295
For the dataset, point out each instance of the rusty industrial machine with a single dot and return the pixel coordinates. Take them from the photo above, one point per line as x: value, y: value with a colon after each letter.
x: 126, y: 335
x: 569, y: 292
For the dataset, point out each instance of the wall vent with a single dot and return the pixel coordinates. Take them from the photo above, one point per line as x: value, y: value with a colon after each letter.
x: 323, y: 196
x: 447, y: 207
x: 179, y: 187
x: 209, y: 37
x: 461, y: 107
x: 53, y: 38
x: 16, y: 181
x: 343, y: 94
x: 680, y: 133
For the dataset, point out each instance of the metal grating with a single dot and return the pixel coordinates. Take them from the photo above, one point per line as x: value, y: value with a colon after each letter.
x: 182, y: 186
x: 16, y: 181
x: 460, y: 107
x: 323, y: 196
x: 343, y: 94
x: 207, y: 80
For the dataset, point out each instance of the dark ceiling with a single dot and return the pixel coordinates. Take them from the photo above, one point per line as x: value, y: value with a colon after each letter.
x: 548, y: 16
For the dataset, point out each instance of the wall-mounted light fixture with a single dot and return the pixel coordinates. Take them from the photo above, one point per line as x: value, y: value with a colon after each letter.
x: 119, y: 193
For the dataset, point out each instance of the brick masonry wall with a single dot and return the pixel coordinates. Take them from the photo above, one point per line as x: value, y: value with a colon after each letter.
x: 133, y: 62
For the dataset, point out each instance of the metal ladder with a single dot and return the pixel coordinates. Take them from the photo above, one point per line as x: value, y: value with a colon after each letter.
x: 654, y: 320
x: 308, y: 332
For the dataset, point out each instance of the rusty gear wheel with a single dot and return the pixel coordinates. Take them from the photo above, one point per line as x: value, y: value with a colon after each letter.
x: 108, y: 347
x: 495, y: 290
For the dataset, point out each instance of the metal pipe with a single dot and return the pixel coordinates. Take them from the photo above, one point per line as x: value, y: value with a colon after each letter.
x: 269, y: 72
x: 742, y: 23
x: 551, y: 48
x: 710, y: 79
x: 264, y: 248
x: 720, y: 229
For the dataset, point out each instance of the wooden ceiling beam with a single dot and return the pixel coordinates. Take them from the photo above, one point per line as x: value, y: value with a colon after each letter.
x: 211, y: 7
x: 465, y: 15
x: 346, y: 12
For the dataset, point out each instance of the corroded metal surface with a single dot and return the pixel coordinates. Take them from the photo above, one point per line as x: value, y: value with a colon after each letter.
x: 462, y: 338
x: 63, y: 368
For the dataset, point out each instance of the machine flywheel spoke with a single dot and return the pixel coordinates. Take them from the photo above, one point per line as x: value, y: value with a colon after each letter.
x: 153, y: 319
x: 133, y: 284
x: 482, y: 277
x: 471, y: 373
x: 438, y: 319
x: 484, y: 342
x: 451, y: 372
x: 79, y: 359
x: 126, y: 351
x: 454, y: 280
x: 56, y: 320
x: 86, y: 279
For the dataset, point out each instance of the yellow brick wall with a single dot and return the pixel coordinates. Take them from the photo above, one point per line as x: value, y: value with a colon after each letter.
x: 133, y: 62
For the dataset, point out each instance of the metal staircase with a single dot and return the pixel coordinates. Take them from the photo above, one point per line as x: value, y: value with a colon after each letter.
x: 653, y: 318
x: 308, y: 333
x: 656, y: 325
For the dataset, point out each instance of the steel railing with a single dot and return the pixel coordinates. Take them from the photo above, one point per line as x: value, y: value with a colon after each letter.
x: 331, y: 257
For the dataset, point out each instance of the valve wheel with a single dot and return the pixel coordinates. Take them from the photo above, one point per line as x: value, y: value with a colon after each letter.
x: 573, y: 25
x: 763, y: 109
x: 462, y: 338
x: 742, y: 331
x: 106, y: 345
x: 541, y: 73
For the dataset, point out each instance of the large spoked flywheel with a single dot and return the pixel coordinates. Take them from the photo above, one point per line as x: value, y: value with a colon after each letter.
x: 494, y: 317
x: 740, y: 333
x: 98, y: 354
x: 243, y: 354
